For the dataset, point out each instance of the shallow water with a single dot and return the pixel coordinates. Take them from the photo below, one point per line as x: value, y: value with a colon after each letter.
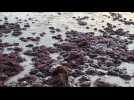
x: 46, y: 19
